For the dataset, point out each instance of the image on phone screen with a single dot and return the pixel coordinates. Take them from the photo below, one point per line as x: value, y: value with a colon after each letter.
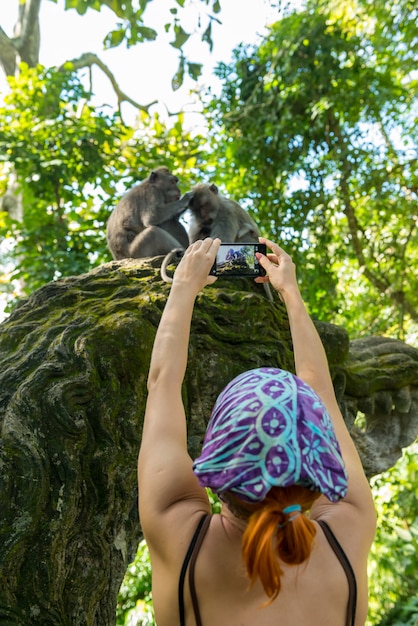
x: 238, y: 259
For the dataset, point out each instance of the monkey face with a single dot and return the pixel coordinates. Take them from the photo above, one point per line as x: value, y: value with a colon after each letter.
x: 167, y: 183
x: 172, y: 194
x: 205, y: 202
x: 172, y: 188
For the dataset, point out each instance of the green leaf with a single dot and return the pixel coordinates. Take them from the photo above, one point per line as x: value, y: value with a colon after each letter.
x: 216, y: 7
x: 147, y: 34
x: 80, y: 6
x: 115, y: 38
x: 207, y: 36
x: 180, y: 37
x: 194, y: 70
x: 178, y: 77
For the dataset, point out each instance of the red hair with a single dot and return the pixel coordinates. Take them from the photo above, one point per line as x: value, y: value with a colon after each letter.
x: 270, y: 538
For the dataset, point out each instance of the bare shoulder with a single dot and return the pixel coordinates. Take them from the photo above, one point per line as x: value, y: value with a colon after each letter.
x: 353, y: 526
x: 170, y: 535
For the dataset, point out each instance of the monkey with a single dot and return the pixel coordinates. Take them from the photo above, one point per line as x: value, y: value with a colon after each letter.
x: 172, y: 257
x: 214, y: 215
x: 146, y: 222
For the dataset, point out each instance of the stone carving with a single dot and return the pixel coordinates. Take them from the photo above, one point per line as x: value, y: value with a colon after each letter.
x: 73, y: 367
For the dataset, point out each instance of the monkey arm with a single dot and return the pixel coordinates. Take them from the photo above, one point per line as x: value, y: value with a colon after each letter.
x: 158, y: 213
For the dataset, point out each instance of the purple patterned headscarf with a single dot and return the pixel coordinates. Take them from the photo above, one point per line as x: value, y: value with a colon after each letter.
x: 269, y: 428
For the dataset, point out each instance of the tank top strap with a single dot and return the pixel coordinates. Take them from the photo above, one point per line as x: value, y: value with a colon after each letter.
x: 191, y: 556
x: 346, y: 565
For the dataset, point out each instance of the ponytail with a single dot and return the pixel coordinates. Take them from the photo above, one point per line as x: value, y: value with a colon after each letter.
x: 272, y: 536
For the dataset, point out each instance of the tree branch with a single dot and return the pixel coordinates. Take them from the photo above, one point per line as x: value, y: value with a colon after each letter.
x: 378, y: 281
x: 24, y: 46
x: 88, y: 59
x: 7, y: 54
x: 27, y: 33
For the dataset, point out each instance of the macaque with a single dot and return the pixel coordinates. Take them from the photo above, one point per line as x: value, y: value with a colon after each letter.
x: 146, y: 223
x: 214, y: 215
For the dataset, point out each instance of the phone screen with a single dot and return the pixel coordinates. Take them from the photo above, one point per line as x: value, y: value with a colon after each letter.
x: 238, y: 259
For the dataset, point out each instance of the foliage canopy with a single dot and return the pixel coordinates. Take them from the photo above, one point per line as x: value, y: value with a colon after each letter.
x: 71, y: 164
x: 320, y: 123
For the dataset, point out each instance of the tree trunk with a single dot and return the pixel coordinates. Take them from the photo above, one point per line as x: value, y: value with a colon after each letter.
x: 25, y: 43
x: 73, y: 371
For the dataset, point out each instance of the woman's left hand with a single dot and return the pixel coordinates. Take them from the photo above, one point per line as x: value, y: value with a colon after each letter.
x: 193, y: 269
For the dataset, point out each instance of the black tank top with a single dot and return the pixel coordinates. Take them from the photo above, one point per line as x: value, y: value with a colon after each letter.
x: 193, y: 551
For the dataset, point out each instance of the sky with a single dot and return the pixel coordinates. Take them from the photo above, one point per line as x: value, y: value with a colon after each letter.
x: 144, y: 72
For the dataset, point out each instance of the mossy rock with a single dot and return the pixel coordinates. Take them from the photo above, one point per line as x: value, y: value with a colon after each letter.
x: 74, y: 361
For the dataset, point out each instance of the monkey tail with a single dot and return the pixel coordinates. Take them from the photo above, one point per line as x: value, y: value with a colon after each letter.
x: 267, y: 291
x: 174, y: 255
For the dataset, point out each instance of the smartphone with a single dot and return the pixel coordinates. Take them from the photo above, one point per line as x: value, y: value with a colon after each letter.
x: 238, y: 259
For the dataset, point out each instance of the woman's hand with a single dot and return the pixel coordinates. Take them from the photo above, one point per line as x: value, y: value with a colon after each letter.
x: 193, y: 269
x: 280, y: 269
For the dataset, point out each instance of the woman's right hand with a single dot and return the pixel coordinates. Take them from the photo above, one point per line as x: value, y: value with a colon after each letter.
x: 280, y: 269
